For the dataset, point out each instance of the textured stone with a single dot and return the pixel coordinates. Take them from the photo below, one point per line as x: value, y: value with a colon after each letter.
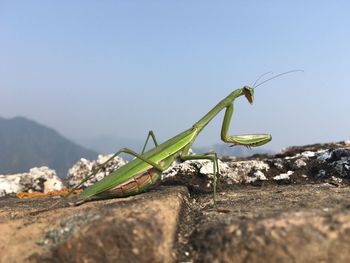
x: 309, y: 223
x: 135, y: 229
x: 37, y: 179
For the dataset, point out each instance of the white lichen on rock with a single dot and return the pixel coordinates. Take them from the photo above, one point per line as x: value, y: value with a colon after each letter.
x: 244, y: 171
x: 204, y: 167
x: 179, y: 167
x: 283, y: 176
x: 258, y: 175
x: 37, y: 179
x: 10, y: 184
x: 337, y: 179
x: 306, y: 155
x: 51, y: 181
x: 231, y: 172
x: 84, y: 167
x: 299, y: 163
x: 208, y: 168
x: 324, y: 155
x: 279, y: 163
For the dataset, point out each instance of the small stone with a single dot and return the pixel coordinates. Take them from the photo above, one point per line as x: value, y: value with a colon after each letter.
x: 324, y: 155
x: 279, y: 164
x: 258, y: 175
x: 136, y: 251
x: 284, y: 176
x: 307, y: 154
x: 337, y: 179
x: 299, y: 163
x: 321, y: 173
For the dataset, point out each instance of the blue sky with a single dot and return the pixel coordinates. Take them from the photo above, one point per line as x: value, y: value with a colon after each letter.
x: 121, y: 68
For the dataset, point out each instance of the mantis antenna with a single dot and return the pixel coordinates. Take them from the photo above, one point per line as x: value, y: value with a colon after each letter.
x: 269, y: 72
x: 284, y: 73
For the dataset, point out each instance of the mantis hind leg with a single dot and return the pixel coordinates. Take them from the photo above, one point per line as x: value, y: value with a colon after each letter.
x: 212, y: 156
x: 150, y: 134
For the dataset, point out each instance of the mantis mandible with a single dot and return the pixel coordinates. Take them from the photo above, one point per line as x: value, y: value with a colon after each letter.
x: 145, y: 170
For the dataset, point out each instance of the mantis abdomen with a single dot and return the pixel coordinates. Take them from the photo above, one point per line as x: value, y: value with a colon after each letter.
x: 136, y: 184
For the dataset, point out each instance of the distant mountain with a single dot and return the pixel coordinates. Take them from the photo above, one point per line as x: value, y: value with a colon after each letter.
x: 25, y: 144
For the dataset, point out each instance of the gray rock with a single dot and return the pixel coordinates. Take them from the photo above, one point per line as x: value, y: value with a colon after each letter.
x: 40, y: 179
x: 294, y: 223
x: 142, y: 228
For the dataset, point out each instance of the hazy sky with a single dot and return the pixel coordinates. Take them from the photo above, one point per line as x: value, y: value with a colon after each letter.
x: 120, y: 68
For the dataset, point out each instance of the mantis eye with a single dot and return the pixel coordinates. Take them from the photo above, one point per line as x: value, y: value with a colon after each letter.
x: 249, y: 95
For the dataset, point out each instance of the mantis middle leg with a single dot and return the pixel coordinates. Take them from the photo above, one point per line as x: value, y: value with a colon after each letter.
x: 212, y: 156
x: 150, y: 134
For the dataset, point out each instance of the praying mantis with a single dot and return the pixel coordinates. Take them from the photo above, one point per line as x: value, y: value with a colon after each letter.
x: 146, y: 168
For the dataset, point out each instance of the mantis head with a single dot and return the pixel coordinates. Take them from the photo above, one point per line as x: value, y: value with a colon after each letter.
x: 248, y: 93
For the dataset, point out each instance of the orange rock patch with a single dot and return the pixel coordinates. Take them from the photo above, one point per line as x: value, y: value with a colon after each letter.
x: 63, y: 192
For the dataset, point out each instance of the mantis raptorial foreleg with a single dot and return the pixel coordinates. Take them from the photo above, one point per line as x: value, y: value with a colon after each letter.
x: 226, y: 124
x: 206, y: 156
x: 150, y: 134
x: 247, y: 140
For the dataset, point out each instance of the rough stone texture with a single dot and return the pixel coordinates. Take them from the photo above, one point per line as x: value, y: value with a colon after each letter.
x: 135, y: 229
x: 292, y: 207
x: 294, y: 165
x: 297, y: 223
x: 37, y: 179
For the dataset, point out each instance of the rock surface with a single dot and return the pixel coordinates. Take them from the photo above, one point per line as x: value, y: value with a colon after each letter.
x: 138, y: 229
x: 295, y: 223
x: 292, y: 207
x: 293, y: 165
x: 40, y: 179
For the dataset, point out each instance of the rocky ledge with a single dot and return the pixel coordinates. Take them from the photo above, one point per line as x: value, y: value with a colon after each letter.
x: 291, y: 207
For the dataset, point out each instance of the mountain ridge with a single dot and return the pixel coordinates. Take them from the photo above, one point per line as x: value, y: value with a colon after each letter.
x: 25, y: 143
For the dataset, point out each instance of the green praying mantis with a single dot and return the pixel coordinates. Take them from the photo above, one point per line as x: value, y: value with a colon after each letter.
x: 146, y: 168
